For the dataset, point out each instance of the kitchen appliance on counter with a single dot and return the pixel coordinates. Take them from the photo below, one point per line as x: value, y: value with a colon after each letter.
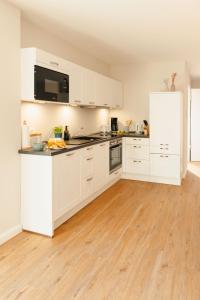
x: 114, y: 124
x: 50, y: 85
x: 115, y: 154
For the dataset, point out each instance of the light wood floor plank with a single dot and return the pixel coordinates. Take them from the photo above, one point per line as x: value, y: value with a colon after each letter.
x: 136, y: 241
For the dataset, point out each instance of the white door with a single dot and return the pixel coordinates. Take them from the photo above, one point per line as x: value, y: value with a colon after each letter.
x: 66, y: 182
x: 165, y: 122
x: 101, y: 165
x: 77, y: 93
x: 195, y: 125
x: 167, y: 166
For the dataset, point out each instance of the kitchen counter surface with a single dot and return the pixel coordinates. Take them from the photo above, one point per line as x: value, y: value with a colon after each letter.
x: 49, y: 152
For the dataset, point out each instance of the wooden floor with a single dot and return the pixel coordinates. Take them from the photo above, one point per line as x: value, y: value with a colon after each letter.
x: 136, y: 241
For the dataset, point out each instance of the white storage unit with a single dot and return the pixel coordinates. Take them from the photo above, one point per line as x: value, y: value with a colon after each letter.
x: 86, y: 87
x: 53, y: 188
x: 136, y: 158
x: 166, y: 137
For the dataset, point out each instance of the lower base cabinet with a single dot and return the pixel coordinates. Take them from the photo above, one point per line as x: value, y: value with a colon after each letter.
x: 53, y: 188
x: 165, y: 165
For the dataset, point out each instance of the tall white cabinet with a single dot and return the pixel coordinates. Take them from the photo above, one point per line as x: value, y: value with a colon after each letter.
x: 166, y: 137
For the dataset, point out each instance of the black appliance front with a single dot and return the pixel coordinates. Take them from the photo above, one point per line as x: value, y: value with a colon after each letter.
x: 50, y: 85
x: 114, y: 124
x: 115, y: 156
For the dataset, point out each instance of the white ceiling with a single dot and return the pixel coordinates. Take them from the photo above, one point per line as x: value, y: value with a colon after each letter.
x: 123, y: 31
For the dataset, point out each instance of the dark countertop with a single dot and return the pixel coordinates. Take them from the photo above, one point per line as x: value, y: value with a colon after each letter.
x: 69, y: 148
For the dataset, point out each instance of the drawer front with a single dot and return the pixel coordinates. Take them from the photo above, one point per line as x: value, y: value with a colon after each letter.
x: 137, y: 151
x: 137, y: 166
x: 116, y: 174
x: 163, y: 165
x: 88, y: 151
x: 137, y: 141
x: 87, y: 187
x: 165, y: 149
x: 87, y: 166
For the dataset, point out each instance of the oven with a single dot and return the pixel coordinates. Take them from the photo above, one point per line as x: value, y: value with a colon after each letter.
x: 115, y: 154
x: 51, y: 85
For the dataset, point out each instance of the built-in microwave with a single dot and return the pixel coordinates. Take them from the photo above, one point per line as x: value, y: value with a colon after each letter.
x: 50, y: 85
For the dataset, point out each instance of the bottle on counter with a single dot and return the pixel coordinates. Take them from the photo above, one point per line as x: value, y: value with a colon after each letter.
x: 66, y: 134
x: 25, y: 136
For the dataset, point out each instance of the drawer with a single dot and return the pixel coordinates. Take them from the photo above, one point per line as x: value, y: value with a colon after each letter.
x: 86, y: 151
x: 136, y: 166
x: 116, y: 174
x: 87, y: 187
x: 137, y: 141
x: 87, y: 166
x: 137, y: 151
x: 165, y: 165
x: 165, y: 149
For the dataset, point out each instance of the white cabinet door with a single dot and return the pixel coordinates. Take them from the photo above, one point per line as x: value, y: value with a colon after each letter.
x: 87, y: 173
x: 101, y: 165
x: 117, y: 94
x: 137, y: 166
x: 77, y: 89
x: 90, y: 86
x: 167, y: 166
x: 103, y: 91
x: 165, y: 122
x: 195, y: 125
x: 66, y: 182
x: 137, y: 151
x: 51, y: 61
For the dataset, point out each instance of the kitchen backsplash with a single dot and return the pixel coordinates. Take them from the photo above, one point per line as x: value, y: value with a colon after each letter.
x: 43, y: 117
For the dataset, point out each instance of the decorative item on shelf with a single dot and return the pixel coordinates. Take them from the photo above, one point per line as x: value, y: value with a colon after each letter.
x: 166, y: 84
x: 128, y: 125
x: 173, y: 77
x: 66, y: 134
x: 58, y: 131
x: 146, y: 127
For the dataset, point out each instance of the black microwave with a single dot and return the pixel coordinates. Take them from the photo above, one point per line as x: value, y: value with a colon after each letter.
x: 50, y: 85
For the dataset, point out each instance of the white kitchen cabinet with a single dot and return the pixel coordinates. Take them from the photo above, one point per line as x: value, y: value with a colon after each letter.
x: 136, y: 157
x: 87, y: 172
x: 165, y: 122
x: 90, y: 88
x: 86, y: 87
x: 103, y: 91
x: 77, y: 88
x: 66, y: 182
x: 195, y: 124
x: 137, y: 166
x: 167, y: 166
x: 101, y: 165
x: 166, y: 137
x: 117, y: 94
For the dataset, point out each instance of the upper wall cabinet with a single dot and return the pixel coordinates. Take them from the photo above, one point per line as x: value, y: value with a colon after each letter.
x: 86, y: 87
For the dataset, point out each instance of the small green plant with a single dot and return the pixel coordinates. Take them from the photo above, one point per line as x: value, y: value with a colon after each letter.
x: 58, y: 131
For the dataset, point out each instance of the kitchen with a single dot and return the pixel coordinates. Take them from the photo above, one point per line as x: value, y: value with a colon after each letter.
x: 104, y: 176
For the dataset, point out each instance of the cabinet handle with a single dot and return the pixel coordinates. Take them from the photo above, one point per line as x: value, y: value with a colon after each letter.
x: 70, y: 154
x: 166, y: 144
x: 137, y: 147
x: 77, y: 101
x: 102, y: 145
x: 164, y: 156
x: 90, y: 158
x: 161, y: 144
x: 166, y: 148
x: 106, y: 104
x: 89, y: 179
x: 90, y: 148
x: 54, y: 63
x: 91, y: 102
x: 161, y: 148
x: 117, y: 172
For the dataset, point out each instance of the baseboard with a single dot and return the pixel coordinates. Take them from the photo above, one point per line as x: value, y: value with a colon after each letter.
x: 7, y: 235
x: 148, y: 178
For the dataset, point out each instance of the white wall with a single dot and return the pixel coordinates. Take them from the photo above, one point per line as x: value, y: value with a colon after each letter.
x: 44, y: 117
x: 141, y: 79
x: 9, y: 121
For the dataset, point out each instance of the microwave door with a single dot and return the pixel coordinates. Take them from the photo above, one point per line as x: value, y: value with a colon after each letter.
x: 51, y: 85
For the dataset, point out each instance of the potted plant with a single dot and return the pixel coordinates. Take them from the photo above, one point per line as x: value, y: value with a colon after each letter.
x: 58, y: 131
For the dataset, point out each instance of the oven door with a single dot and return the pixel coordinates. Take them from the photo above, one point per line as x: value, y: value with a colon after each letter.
x: 115, y: 157
x: 50, y: 85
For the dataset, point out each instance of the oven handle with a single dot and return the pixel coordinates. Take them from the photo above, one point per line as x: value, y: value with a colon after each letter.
x: 115, y: 146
